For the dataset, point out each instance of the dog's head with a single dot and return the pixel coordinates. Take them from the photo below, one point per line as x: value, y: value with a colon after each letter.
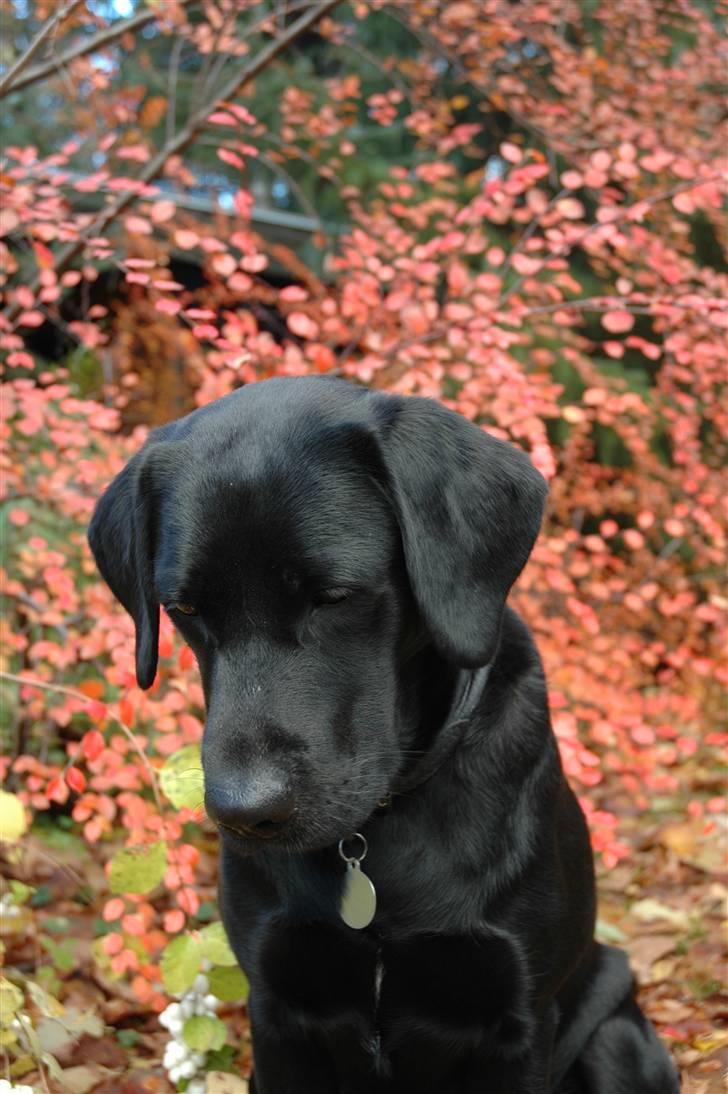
x: 311, y: 541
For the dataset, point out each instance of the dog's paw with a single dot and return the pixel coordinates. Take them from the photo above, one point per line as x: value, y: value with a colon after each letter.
x: 318, y: 972
x: 465, y: 990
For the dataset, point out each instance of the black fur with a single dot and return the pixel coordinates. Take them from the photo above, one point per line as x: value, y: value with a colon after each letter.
x: 349, y: 554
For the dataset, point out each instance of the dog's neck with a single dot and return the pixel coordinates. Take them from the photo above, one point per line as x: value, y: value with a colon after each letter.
x: 469, y: 688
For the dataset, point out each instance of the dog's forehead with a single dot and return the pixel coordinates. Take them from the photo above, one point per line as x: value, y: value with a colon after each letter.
x: 288, y: 492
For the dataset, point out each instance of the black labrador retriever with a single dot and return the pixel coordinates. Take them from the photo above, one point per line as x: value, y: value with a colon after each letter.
x: 406, y: 876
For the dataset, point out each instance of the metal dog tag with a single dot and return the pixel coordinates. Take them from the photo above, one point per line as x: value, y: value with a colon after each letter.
x: 359, y: 897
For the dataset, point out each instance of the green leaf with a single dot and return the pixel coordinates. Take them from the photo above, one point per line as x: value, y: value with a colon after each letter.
x: 42, y: 896
x: 57, y: 924
x: 202, y: 1033
x: 215, y: 945
x: 610, y: 933
x: 127, y: 1038
x: 63, y: 954
x: 181, y: 778
x: 138, y: 869
x: 223, y: 1060
x: 180, y: 964
x: 21, y: 892
x: 228, y: 984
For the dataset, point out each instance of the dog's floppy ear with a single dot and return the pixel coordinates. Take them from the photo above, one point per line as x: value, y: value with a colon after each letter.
x: 121, y: 536
x: 469, y: 508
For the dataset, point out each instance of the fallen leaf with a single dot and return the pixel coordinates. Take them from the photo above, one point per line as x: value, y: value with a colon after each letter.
x: 646, y: 950
x: 79, y: 1080
x: 220, y: 1082
x: 694, y: 1086
x: 662, y: 970
x: 648, y: 910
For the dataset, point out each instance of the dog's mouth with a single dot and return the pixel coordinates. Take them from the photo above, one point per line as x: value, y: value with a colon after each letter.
x: 291, y: 837
x: 264, y: 830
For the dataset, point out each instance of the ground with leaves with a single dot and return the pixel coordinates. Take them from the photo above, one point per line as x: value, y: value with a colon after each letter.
x: 514, y: 208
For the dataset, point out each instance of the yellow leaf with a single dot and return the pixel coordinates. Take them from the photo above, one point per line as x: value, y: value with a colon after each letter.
x: 11, y: 1001
x: 716, y: 1039
x: 181, y: 778
x: 13, y: 821
x: 152, y: 112
x: 219, y: 1082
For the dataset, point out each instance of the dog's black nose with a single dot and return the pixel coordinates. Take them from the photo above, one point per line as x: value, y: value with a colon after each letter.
x: 257, y: 808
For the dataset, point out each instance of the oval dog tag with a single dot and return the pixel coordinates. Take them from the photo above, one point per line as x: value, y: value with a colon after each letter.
x: 359, y: 898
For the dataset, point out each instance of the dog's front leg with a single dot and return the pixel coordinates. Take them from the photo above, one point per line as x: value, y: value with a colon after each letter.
x: 286, y: 1064
x: 529, y: 1071
x: 526, y: 1076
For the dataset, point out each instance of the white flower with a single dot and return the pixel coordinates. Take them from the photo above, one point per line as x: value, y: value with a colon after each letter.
x: 180, y: 1061
x: 9, y: 908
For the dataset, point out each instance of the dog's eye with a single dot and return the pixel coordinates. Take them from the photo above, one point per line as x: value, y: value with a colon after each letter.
x: 330, y: 596
x: 185, y: 609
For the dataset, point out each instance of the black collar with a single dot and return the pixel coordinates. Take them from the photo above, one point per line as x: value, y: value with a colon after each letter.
x: 468, y: 694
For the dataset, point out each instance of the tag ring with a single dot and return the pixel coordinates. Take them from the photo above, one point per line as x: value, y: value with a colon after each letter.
x: 354, y: 858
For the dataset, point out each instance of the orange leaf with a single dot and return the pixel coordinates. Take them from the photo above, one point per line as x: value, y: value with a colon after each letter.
x: 76, y: 780
x: 126, y: 711
x: 94, y: 689
x: 92, y: 745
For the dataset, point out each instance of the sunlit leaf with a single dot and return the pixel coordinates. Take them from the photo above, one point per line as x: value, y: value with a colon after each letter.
x: 181, y: 778
x: 13, y: 821
x: 180, y: 963
x: 215, y: 945
x: 202, y: 1033
x: 138, y: 869
x: 228, y: 983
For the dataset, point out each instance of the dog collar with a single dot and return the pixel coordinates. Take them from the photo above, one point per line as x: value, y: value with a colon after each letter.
x: 358, y: 903
x: 470, y: 690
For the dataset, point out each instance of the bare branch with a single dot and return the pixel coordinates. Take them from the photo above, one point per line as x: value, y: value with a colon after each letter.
x: 186, y: 135
x: 523, y: 239
x: 6, y: 82
x: 81, y: 49
x: 626, y: 213
x: 215, y: 63
x: 172, y: 76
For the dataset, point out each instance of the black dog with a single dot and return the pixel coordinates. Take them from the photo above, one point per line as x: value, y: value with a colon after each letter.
x: 339, y: 560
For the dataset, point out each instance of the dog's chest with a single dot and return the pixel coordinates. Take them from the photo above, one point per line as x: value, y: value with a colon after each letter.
x: 380, y: 1005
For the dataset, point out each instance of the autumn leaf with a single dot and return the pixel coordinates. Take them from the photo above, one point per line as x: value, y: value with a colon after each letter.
x: 138, y: 870
x: 13, y: 821
x: 617, y: 322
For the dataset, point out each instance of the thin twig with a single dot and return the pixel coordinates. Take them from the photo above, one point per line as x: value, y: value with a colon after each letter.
x: 626, y: 213
x: 298, y: 153
x: 523, y: 239
x: 6, y: 82
x: 209, y: 71
x: 43, y: 685
x: 83, y: 48
x: 185, y: 137
x: 277, y: 169
x: 172, y: 75
x: 213, y: 72
x: 606, y: 304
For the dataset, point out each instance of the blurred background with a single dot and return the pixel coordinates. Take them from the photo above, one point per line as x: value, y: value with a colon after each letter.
x: 513, y: 206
